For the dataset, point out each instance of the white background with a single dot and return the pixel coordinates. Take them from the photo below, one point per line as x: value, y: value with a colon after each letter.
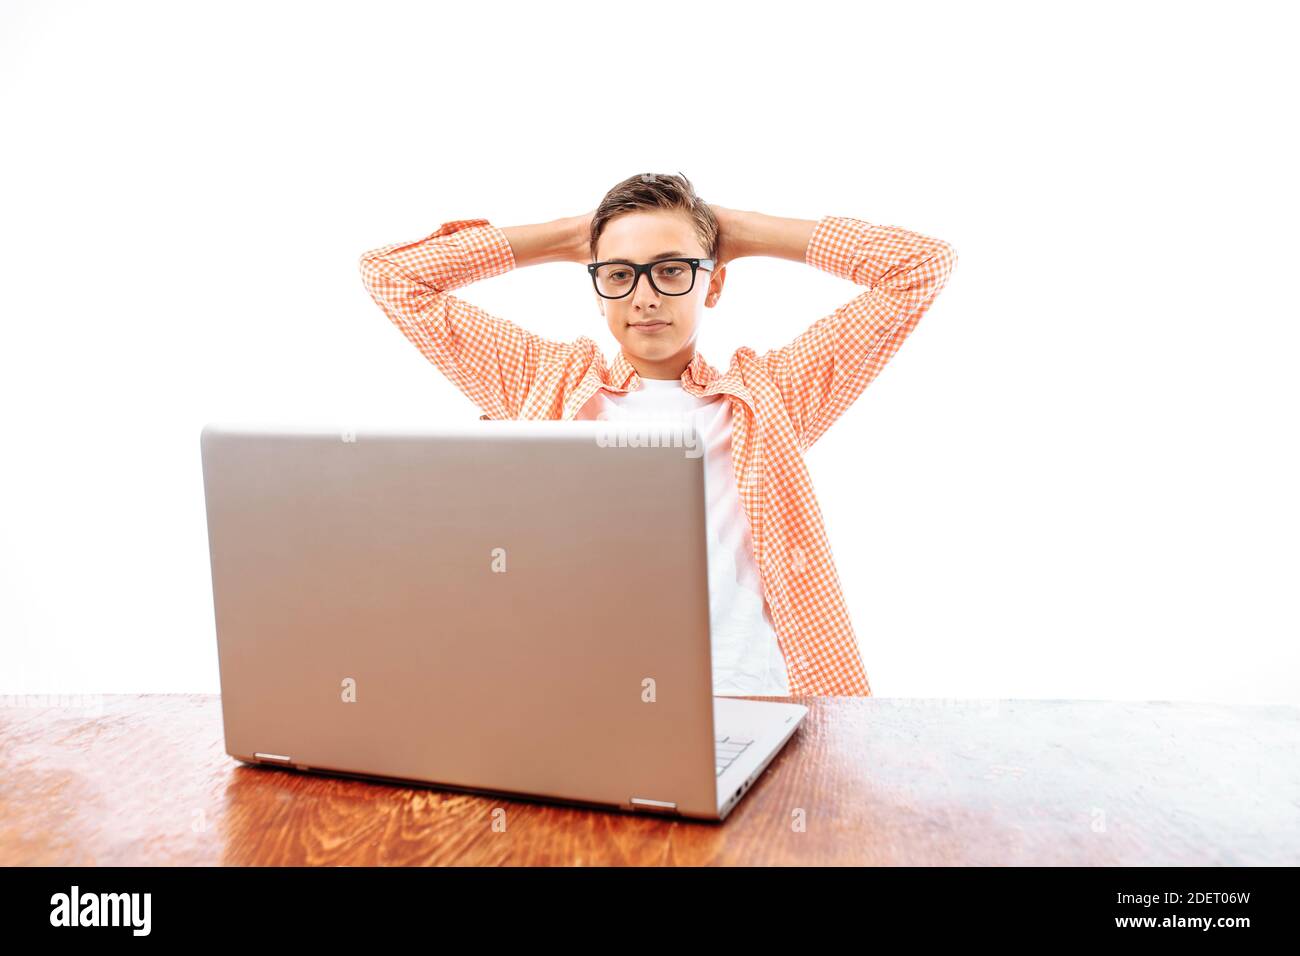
x: 1075, y: 480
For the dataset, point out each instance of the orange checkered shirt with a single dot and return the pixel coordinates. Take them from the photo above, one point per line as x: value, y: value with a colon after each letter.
x: 782, y: 400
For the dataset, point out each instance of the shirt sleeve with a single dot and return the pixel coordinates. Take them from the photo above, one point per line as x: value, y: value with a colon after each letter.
x: 823, y: 371
x: 490, y: 359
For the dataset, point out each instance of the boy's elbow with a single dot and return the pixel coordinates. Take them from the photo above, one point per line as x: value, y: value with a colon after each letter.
x: 366, y: 265
x: 379, y: 276
x: 942, y: 263
x: 950, y: 255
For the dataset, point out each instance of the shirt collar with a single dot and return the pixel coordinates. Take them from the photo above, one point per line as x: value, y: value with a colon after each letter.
x: 700, y: 372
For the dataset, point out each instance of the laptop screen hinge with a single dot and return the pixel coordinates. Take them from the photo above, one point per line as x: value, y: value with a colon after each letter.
x: 658, y: 806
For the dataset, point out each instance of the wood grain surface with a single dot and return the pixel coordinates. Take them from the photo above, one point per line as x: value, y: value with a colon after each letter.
x: 145, y: 780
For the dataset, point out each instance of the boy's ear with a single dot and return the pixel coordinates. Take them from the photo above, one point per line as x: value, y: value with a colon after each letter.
x: 716, y: 283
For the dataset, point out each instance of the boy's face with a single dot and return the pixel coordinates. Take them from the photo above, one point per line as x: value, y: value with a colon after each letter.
x: 645, y: 236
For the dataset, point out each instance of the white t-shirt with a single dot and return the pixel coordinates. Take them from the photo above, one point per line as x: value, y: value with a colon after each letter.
x: 747, y: 658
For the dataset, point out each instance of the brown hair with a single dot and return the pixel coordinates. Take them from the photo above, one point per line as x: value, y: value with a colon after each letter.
x: 657, y: 191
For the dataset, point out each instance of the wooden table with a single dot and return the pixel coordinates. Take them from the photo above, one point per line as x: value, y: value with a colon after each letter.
x: 145, y: 780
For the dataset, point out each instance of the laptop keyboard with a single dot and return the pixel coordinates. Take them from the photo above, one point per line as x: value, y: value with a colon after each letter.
x: 727, y: 749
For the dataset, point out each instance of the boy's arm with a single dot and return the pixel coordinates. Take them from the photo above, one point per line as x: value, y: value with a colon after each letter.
x: 490, y: 359
x: 827, y: 366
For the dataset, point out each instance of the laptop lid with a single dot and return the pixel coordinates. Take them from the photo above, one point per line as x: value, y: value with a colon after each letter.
x: 508, y: 606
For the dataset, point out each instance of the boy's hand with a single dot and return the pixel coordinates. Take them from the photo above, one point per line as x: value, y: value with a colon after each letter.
x: 582, y: 237
x: 728, y: 246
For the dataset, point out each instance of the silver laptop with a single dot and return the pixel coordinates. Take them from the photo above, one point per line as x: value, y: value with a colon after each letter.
x: 507, y: 607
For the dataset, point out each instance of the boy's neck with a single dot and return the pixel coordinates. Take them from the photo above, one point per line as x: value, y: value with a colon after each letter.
x: 668, y: 369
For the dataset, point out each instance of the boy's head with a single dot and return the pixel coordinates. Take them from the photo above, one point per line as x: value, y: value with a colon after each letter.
x: 643, y: 219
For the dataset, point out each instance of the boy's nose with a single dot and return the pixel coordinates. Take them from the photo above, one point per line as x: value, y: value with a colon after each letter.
x: 645, y: 291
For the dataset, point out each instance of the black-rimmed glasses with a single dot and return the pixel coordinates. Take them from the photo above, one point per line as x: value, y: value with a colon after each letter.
x: 614, y: 280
